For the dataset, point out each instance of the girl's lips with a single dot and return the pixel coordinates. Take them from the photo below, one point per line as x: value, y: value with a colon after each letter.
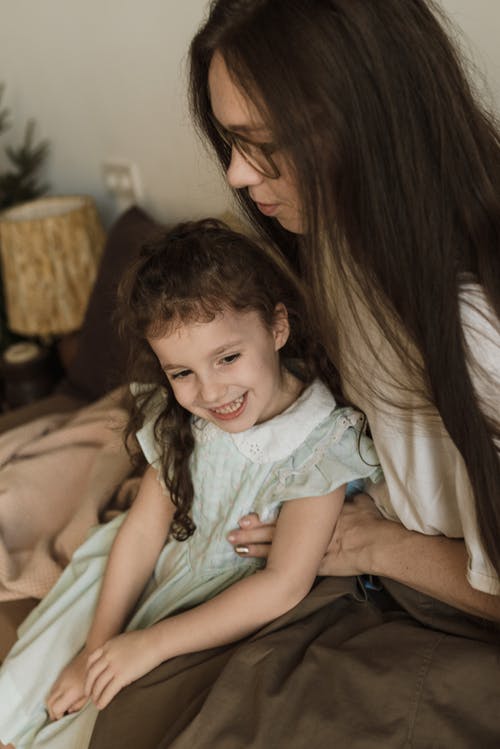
x: 268, y: 209
x: 231, y: 414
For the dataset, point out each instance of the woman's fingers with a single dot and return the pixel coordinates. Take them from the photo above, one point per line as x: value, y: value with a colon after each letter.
x: 251, y: 520
x: 260, y: 551
x: 253, y: 537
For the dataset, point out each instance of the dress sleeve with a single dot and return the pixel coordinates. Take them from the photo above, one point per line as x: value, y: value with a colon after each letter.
x: 336, y: 452
x: 146, y: 435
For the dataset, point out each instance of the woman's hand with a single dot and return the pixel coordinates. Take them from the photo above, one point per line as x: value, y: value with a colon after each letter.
x: 349, y: 551
x: 252, y: 538
x: 67, y: 694
x: 355, y: 536
x: 120, y: 661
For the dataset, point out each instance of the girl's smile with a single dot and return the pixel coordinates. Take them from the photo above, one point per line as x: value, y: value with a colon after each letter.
x: 231, y: 410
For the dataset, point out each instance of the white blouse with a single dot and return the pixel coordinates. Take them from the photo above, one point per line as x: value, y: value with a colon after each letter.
x: 427, y: 487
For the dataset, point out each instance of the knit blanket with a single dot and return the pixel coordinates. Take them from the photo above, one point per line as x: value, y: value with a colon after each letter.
x: 58, y: 474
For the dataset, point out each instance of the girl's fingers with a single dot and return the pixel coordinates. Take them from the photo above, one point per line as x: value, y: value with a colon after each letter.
x: 77, y: 705
x: 98, y: 666
x: 107, y: 695
x: 58, y: 707
x: 52, y: 697
x: 100, y: 684
x: 93, y: 657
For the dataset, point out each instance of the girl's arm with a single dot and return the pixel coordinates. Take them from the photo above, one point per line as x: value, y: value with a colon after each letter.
x: 366, y: 543
x: 133, y: 556
x: 303, y: 531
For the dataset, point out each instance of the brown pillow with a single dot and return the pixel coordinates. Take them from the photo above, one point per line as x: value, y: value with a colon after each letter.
x: 100, y: 360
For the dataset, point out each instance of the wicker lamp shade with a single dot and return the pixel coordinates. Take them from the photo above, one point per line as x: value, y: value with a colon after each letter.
x: 50, y: 250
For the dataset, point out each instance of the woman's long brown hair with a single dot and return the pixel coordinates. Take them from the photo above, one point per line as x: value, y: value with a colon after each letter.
x: 189, y: 274
x: 399, y: 170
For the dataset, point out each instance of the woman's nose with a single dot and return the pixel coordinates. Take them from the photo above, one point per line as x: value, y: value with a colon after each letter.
x: 240, y: 173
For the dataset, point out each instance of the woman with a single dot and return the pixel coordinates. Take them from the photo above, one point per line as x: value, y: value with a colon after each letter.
x: 349, y: 132
x: 401, y: 221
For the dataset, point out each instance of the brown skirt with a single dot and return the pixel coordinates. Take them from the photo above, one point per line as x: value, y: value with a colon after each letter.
x: 346, y: 668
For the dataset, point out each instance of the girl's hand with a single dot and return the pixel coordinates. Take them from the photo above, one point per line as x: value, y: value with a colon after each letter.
x: 350, y: 550
x: 67, y: 694
x: 120, y: 661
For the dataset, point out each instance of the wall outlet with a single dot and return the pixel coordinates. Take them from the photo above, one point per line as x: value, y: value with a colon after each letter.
x: 122, y: 181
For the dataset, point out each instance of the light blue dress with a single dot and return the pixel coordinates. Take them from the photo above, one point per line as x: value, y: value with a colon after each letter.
x: 308, y: 450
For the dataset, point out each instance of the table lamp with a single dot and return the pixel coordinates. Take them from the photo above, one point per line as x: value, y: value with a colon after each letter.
x: 50, y: 250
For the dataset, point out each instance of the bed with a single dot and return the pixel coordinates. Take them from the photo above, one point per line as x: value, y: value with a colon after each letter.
x: 340, y: 669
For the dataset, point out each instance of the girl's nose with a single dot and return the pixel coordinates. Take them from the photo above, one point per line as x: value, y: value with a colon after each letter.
x: 211, y: 392
x: 240, y: 173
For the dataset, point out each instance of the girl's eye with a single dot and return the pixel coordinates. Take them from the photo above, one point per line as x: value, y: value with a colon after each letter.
x: 230, y: 358
x: 181, y: 375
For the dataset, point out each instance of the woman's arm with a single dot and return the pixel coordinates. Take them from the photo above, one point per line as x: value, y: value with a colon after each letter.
x: 130, y: 564
x: 364, y: 542
x: 302, y: 533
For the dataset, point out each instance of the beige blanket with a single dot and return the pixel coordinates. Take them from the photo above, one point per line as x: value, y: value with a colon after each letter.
x: 57, y: 474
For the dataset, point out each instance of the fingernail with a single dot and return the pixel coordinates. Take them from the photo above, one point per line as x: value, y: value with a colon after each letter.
x: 231, y: 538
x: 244, y: 523
x: 241, y: 549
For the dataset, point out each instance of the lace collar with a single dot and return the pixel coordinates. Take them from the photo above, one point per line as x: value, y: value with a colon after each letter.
x: 277, y: 438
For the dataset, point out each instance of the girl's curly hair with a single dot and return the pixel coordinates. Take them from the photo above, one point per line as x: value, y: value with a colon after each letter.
x: 189, y: 274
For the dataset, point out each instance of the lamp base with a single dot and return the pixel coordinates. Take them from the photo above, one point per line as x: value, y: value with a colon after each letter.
x: 29, y: 372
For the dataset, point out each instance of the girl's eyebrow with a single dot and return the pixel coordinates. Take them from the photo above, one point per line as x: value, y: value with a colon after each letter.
x: 216, y: 352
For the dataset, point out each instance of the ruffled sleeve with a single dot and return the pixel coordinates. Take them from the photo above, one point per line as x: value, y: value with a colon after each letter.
x: 145, y: 435
x: 336, y: 452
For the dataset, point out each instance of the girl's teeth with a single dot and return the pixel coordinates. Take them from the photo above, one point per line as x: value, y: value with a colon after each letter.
x: 230, y: 407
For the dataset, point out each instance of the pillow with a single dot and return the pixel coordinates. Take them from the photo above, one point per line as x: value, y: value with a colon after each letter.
x: 101, y: 356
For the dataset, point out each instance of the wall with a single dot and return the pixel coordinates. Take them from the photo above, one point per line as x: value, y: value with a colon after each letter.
x: 477, y: 23
x: 106, y: 79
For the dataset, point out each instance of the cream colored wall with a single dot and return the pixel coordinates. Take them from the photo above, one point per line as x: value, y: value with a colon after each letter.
x: 106, y: 79
x: 478, y: 25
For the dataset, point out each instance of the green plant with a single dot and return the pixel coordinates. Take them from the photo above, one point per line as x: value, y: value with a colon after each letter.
x: 20, y: 183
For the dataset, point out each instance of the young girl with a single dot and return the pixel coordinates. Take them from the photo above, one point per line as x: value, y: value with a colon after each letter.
x: 227, y: 428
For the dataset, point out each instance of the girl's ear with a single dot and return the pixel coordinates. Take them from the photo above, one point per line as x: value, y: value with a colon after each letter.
x: 281, y: 326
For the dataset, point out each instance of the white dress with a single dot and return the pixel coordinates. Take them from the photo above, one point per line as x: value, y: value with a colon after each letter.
x: 308, y: 450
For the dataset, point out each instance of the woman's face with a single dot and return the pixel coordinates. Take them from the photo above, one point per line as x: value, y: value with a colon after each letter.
x: 234, y: 112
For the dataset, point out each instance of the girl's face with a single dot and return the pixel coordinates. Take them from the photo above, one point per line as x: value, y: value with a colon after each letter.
x: 235, y: 113
x: 228, y: 370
